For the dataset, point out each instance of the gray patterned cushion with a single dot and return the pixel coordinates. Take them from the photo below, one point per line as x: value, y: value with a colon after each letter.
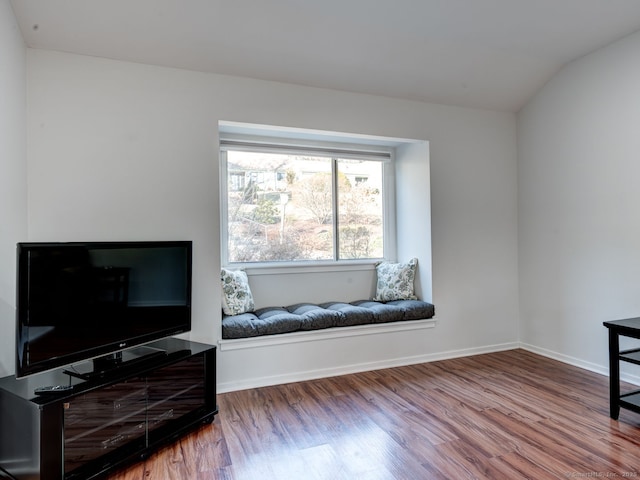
x: 395, y: 281
x: 265, y: 321
x: 314, y: 317
x: 244, y: 325
x: 273, y: 320
x: 236, y: 294
x: 413, y: 309
x: 307, y: 316
x: 382, y: 312
x: 350, y: 314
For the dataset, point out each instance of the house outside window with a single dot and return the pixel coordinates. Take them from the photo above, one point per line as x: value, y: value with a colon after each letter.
x: 291, y: 203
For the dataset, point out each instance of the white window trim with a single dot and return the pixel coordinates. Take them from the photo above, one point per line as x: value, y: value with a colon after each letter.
x: 351, y: 147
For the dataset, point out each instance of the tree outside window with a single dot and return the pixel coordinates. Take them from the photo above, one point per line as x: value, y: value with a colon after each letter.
x: 285, y: 207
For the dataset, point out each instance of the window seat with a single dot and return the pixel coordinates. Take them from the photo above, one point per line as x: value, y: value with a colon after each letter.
x: 309, y: 316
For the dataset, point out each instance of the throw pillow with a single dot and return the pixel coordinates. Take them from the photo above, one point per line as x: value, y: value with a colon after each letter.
x: 236, y: 294
x: 395, y: 281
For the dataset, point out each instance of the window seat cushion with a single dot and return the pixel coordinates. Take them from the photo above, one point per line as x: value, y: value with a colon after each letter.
x: 308, y: 316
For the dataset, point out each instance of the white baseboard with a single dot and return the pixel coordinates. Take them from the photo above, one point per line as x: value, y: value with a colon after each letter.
x: 576, y: 362
x: 432, y: 357
x: 355, y: 368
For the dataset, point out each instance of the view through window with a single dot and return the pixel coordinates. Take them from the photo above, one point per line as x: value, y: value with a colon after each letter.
x: 288, y: 207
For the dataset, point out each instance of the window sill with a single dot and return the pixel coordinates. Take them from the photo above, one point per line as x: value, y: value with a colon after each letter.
x: 296, y: 268
x: 326, y: 334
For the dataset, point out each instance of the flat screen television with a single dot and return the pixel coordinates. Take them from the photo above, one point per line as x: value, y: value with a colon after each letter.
x: 81, y: 300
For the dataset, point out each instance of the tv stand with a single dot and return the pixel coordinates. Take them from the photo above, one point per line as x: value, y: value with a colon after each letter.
x: 107, y: 365
x: 108, y: 420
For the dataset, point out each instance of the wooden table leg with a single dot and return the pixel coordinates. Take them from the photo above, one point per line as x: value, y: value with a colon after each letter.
x: 614, y: 374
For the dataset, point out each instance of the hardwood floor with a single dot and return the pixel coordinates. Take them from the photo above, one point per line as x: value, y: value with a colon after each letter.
x: 506, y: 415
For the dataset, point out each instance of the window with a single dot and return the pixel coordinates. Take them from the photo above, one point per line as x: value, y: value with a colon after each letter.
x: 293, y: 202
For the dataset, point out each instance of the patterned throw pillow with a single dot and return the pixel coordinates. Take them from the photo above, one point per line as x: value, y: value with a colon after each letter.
x: 236, y: 294
x: 395, y: 281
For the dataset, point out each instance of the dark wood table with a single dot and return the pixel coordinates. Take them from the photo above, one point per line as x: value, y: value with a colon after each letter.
x: 629, y: 327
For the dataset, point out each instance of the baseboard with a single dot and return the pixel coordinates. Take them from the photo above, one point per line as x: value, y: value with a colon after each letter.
x: 576, y: 362
x: 361, y: 367
x: 432, y: 357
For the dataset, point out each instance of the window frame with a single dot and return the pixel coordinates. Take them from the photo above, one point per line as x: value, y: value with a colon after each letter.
x: 352, y: 147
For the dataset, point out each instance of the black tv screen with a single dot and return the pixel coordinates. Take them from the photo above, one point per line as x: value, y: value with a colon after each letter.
x: 81, y: 300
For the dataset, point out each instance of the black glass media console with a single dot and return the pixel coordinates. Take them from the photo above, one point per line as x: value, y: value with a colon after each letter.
x: 107, y: 419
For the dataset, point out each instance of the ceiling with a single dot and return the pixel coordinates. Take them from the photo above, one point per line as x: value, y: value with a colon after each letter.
x: 492, y: 54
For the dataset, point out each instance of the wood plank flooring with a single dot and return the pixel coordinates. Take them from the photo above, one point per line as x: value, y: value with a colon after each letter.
x: 505, y: 415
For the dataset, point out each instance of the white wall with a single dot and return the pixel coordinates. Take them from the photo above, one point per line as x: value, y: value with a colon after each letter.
x: 579, y: 247
x: 126, y: 151
x: 413, y: 216
x: 13, y: 176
